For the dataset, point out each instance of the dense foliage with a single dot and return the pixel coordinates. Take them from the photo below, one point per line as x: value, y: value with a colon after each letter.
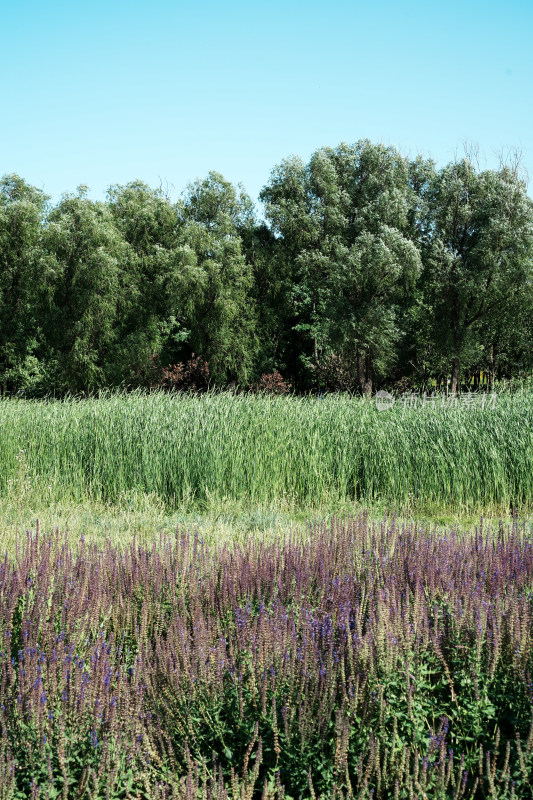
x: 257, y: 448
x: 357, y: 660
x: 368, y: 268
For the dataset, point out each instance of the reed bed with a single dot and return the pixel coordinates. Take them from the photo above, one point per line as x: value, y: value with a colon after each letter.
x: 196, y: 450
x: 355, y: 660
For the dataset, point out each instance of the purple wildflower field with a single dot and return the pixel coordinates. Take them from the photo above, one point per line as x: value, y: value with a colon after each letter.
x: 356, y: 659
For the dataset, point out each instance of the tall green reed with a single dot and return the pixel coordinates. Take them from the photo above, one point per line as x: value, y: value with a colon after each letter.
x: 196, y: 449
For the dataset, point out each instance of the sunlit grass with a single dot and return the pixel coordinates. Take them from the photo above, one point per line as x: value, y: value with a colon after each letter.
x: 196, y: 454
x: 145, y: 517
x: 359, y: 658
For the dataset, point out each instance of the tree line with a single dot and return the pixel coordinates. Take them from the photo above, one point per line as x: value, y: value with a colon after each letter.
x: 366, y: 269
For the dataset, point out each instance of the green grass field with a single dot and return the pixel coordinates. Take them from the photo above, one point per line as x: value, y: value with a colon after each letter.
x: 231, y: 464
x: 394, y: 655
x: 198, y: 453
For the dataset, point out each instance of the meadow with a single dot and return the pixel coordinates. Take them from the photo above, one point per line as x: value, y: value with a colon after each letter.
x: 355, y: 659
x: 225, y: 648
x: 196, y: 451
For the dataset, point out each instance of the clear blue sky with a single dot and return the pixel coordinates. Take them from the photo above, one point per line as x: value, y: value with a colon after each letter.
x: 107, y: 92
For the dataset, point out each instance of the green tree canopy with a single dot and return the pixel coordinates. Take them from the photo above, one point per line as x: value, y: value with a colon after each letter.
x: 478, y: 251
x: 222, y: 320
x: 83, y: 256
x: 344, y: 220
x: 22, y: 211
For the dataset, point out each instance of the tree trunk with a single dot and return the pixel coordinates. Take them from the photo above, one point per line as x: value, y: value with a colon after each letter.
x: 360, y: 370
x: 368, y: 376
x: 364, y: 372
x: 491, y: 368
x: 455, y: 374
x: 315, y: 343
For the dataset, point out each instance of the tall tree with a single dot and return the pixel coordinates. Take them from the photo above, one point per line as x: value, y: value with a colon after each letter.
x: 344, y: 223
x: 22, y: 210
x: 157, y: 281
x: 213, y: 214
x: 83, y: 257
x: 479, y: 250
x: 505, y: 339
x: 188, y: 280
x: 271, y: 296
